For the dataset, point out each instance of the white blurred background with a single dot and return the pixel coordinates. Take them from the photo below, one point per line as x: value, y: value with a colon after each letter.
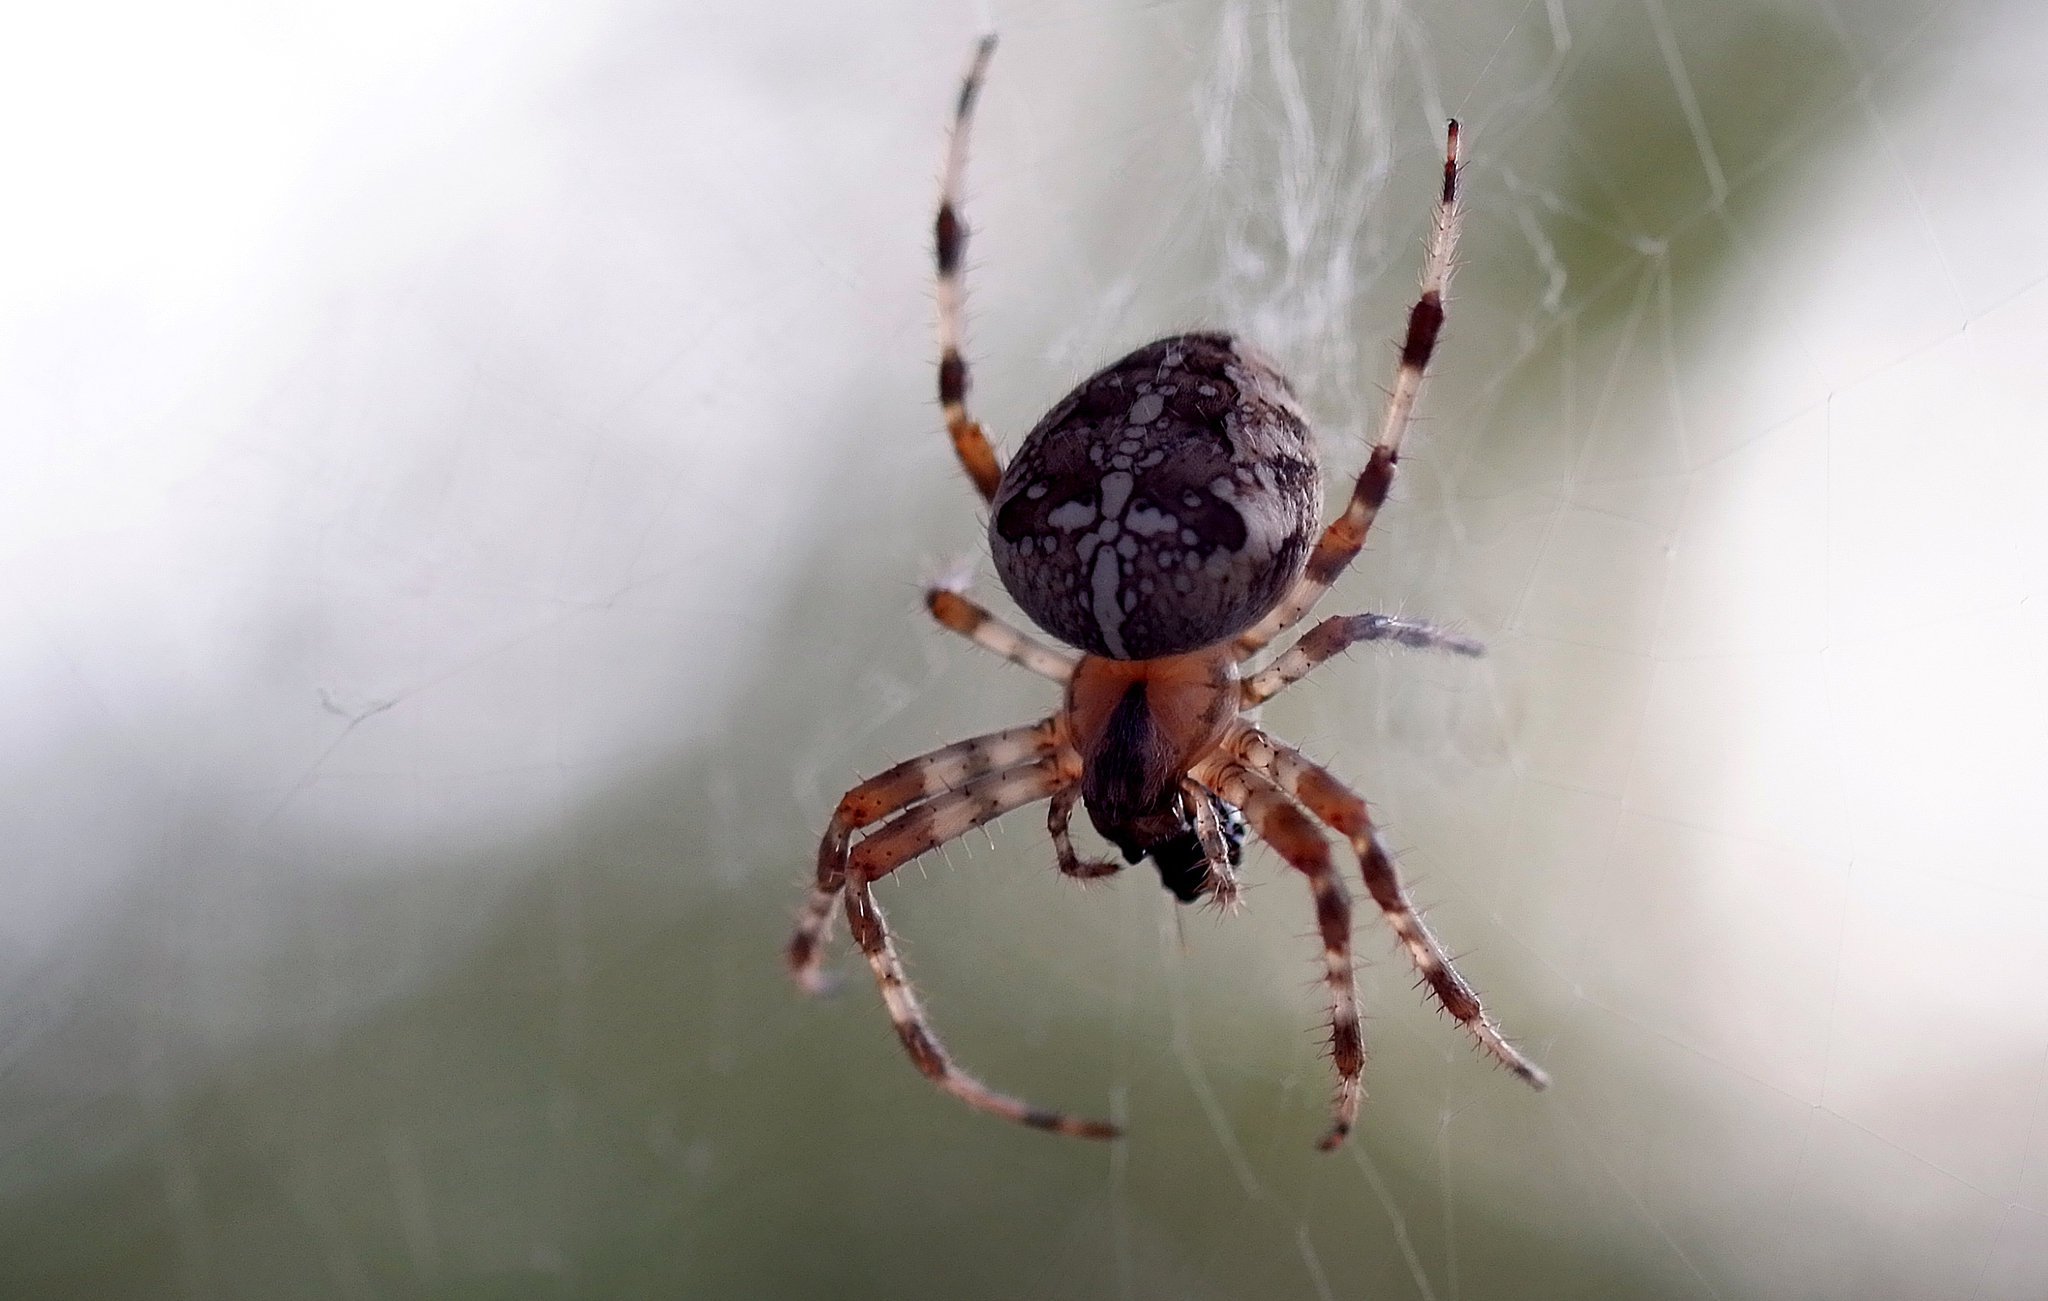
x: 465, y: 476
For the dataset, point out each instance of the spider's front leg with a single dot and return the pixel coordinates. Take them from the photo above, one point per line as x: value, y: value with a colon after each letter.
x: 923, y: 828
x: 908, y: 783
x: 1344, y: 811
x: 1288, y: 830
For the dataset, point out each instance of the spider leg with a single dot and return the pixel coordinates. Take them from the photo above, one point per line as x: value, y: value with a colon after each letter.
x: 990, y: 633
x: 1346, y: 535
x: 1071, y: 864
x: 950, y: 245
x: 1341, y: 808
x: 907, y: 783
x: 1222, y: 881
x: 1337, y: 634
x: 925, y: 827
x: 1288, y: 830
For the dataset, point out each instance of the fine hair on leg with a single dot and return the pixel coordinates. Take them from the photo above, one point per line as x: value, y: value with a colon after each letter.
x: 1222, y: 886
x: 1341, y: 808
x: 949, y: 246
x: 889, y: 792
x: 1295, y: 838
x: 1345, y: 536
x: 1339, y: 633
x: 919, y: 829
x: 956, y: 612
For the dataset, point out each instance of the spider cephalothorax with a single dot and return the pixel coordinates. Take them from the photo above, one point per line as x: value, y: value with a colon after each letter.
x: 1163, y: 517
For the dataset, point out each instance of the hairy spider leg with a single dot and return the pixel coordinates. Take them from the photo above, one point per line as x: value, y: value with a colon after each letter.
x: 1290, y: 832
x: 949, y: 244
x: 985, y: 630
x: 925, y: 827
x: 1344, y: 811
x: 909, y: 782
x: 1071, y: 864
x: 1337, y: 634
x: 1345, y: 536
x: 1223, y: 887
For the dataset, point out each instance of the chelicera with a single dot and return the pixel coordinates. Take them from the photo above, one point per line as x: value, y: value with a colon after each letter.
x: 1163, y: 518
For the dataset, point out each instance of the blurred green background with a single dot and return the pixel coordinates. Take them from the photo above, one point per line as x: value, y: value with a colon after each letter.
x: 471, y: 472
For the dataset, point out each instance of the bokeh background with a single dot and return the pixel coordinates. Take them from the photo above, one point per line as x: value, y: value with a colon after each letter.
x: 466, y: 472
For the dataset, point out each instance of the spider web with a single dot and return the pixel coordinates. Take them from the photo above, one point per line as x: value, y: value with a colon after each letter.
x: 468, y: 473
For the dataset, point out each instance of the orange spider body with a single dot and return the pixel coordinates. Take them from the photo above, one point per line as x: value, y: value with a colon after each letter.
x: 1139, y: 727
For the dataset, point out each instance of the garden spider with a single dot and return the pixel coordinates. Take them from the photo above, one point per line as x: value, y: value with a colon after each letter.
x: 1159, y: 518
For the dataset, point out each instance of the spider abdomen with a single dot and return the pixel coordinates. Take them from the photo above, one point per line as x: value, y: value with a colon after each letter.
x: 1164, y: 505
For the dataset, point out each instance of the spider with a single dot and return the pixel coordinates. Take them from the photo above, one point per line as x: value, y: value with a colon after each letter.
x: 1162, y: 518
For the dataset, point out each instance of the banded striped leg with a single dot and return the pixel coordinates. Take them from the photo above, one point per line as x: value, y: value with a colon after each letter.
x: 922, y: 778
x: 1341, y: 808
x: 950, y: 246
x: 1072, y: 864
x: 1223, y: 888
x: 1288, y: 830
x: 1339, y: 633
x: 1346, y: 534
x: 927, y: 826
x: 990, y: 633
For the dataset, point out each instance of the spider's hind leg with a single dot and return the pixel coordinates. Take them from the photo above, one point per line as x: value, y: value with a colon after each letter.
x: 949, y: 243
x: 1345, y: 537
